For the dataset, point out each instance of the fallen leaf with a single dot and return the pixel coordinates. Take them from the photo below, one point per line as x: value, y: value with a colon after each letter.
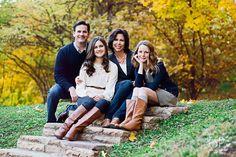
x: 38, y: 109
x: 132, y: 136
x: 153, y: 143
x: 182, y: 101
x: 191, y: 101
x: 104, y: 154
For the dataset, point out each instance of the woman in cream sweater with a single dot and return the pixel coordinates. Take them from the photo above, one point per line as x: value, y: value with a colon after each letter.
x: 95, y: 88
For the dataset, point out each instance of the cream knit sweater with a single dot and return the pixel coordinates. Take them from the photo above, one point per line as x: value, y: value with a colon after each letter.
x: 105, y: 82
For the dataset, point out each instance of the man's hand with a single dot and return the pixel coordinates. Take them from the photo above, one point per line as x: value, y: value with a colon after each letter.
x: 77, y: 80
x: 73, y: 94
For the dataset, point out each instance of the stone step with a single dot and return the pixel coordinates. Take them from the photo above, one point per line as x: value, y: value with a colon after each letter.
x: 92, y: 133
x: 53, y: 145
x: 153, y: 115
x: 149, y: 122
x: 25, y: 153
x: 165, y: 112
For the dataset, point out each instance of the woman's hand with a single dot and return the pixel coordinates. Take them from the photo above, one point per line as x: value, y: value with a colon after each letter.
x: 140, y: 69
x: 77, y: 80
x: 137, y: 59
x: 98, y: 97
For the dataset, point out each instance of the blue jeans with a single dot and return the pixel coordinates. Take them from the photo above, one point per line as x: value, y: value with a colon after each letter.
x: 55, y: 93
x: 89, y: 103
x: 123, y: 90
x: 120, y: 113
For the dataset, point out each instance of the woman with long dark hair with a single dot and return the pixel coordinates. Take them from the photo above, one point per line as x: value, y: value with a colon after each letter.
x: 121, y: 55
x: 95, y: 88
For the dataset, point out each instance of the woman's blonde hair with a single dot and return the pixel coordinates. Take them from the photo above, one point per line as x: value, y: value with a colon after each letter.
x: 152, y: 56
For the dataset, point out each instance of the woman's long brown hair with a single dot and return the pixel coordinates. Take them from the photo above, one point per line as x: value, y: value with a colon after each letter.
x: 90, y: 59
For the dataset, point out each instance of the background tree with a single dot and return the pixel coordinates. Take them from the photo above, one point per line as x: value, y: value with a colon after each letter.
x: 197, y: 42
x: 195, y: 38
x: 36, y: 30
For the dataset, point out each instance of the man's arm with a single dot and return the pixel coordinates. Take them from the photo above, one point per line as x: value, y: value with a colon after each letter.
x: 60, y: 70
x: 60, y: 74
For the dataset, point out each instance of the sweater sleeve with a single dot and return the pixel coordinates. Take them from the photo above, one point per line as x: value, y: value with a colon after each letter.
x: 110, y: 86
x: 60, y: 70
x: 139, y: 79
x: 80, y: 88
x: 157, y: 78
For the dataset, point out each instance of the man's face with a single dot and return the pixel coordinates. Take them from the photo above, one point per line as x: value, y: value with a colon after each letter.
x: 81, y: 34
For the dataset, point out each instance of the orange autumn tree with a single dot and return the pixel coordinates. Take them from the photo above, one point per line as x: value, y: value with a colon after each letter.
x: 199, y: 40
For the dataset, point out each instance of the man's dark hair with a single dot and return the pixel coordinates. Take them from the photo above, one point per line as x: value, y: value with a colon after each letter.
x: 113, y: 36
x: 81, y: 23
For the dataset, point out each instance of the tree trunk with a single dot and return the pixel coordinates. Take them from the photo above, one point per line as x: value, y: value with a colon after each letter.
x: 193, y: 92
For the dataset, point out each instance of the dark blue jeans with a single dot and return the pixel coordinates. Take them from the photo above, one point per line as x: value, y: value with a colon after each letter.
x: 117, y: 109
x: 54, y: 95
x: 89, y: 103
x: 120, y: 113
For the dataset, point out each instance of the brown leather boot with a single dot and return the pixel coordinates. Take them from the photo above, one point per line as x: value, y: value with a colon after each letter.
x: 78, y: 113
x: 86, y: 120
x: 139, y: 109
x: 129, y: 112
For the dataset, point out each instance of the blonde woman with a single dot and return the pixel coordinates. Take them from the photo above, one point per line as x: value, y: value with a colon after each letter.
x: 153, y: 86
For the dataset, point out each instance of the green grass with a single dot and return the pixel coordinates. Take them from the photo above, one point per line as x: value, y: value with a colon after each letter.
x: 22, y: 120
x: 204, y: 130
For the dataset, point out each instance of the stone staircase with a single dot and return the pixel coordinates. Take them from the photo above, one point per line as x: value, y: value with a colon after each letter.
x: 91, y: 142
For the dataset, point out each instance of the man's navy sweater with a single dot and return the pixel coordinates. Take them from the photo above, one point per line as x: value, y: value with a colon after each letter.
x: 67, y: 66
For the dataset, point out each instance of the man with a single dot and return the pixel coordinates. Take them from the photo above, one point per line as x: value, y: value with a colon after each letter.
x: 68, y: 63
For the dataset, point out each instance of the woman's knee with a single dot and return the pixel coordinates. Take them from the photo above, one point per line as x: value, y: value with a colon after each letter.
x: 128, y: 84
x: 103, y: 105
x: 124, y: 86
x: 87, y: 102
x: 143, y: 91
x: 136, y: 89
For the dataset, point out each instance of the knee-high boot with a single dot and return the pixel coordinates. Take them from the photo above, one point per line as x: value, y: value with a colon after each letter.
x: 129, y: 112
x: 139, y: 110
x: 78, y: 113
x: 86, y: 120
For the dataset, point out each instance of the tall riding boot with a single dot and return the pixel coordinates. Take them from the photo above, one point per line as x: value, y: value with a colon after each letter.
x: 78, y: 113
x: 139, y: 110
x: 86, y: 120
x: 129, y: 112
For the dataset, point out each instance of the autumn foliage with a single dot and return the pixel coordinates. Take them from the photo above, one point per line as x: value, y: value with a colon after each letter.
x: 196, y: 38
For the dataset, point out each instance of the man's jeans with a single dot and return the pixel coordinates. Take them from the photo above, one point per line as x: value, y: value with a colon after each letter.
x: 55, y: 93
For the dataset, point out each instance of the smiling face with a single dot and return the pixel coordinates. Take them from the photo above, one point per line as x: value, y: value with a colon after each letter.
x: 119, y: 43
x: 99, y: 49
x: 81, y: 34
x: 143, y: 53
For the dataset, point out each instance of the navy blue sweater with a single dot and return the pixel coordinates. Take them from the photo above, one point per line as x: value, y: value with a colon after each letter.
x: 130, y: 68
x: 161, y: 79
x: 67, y: 66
